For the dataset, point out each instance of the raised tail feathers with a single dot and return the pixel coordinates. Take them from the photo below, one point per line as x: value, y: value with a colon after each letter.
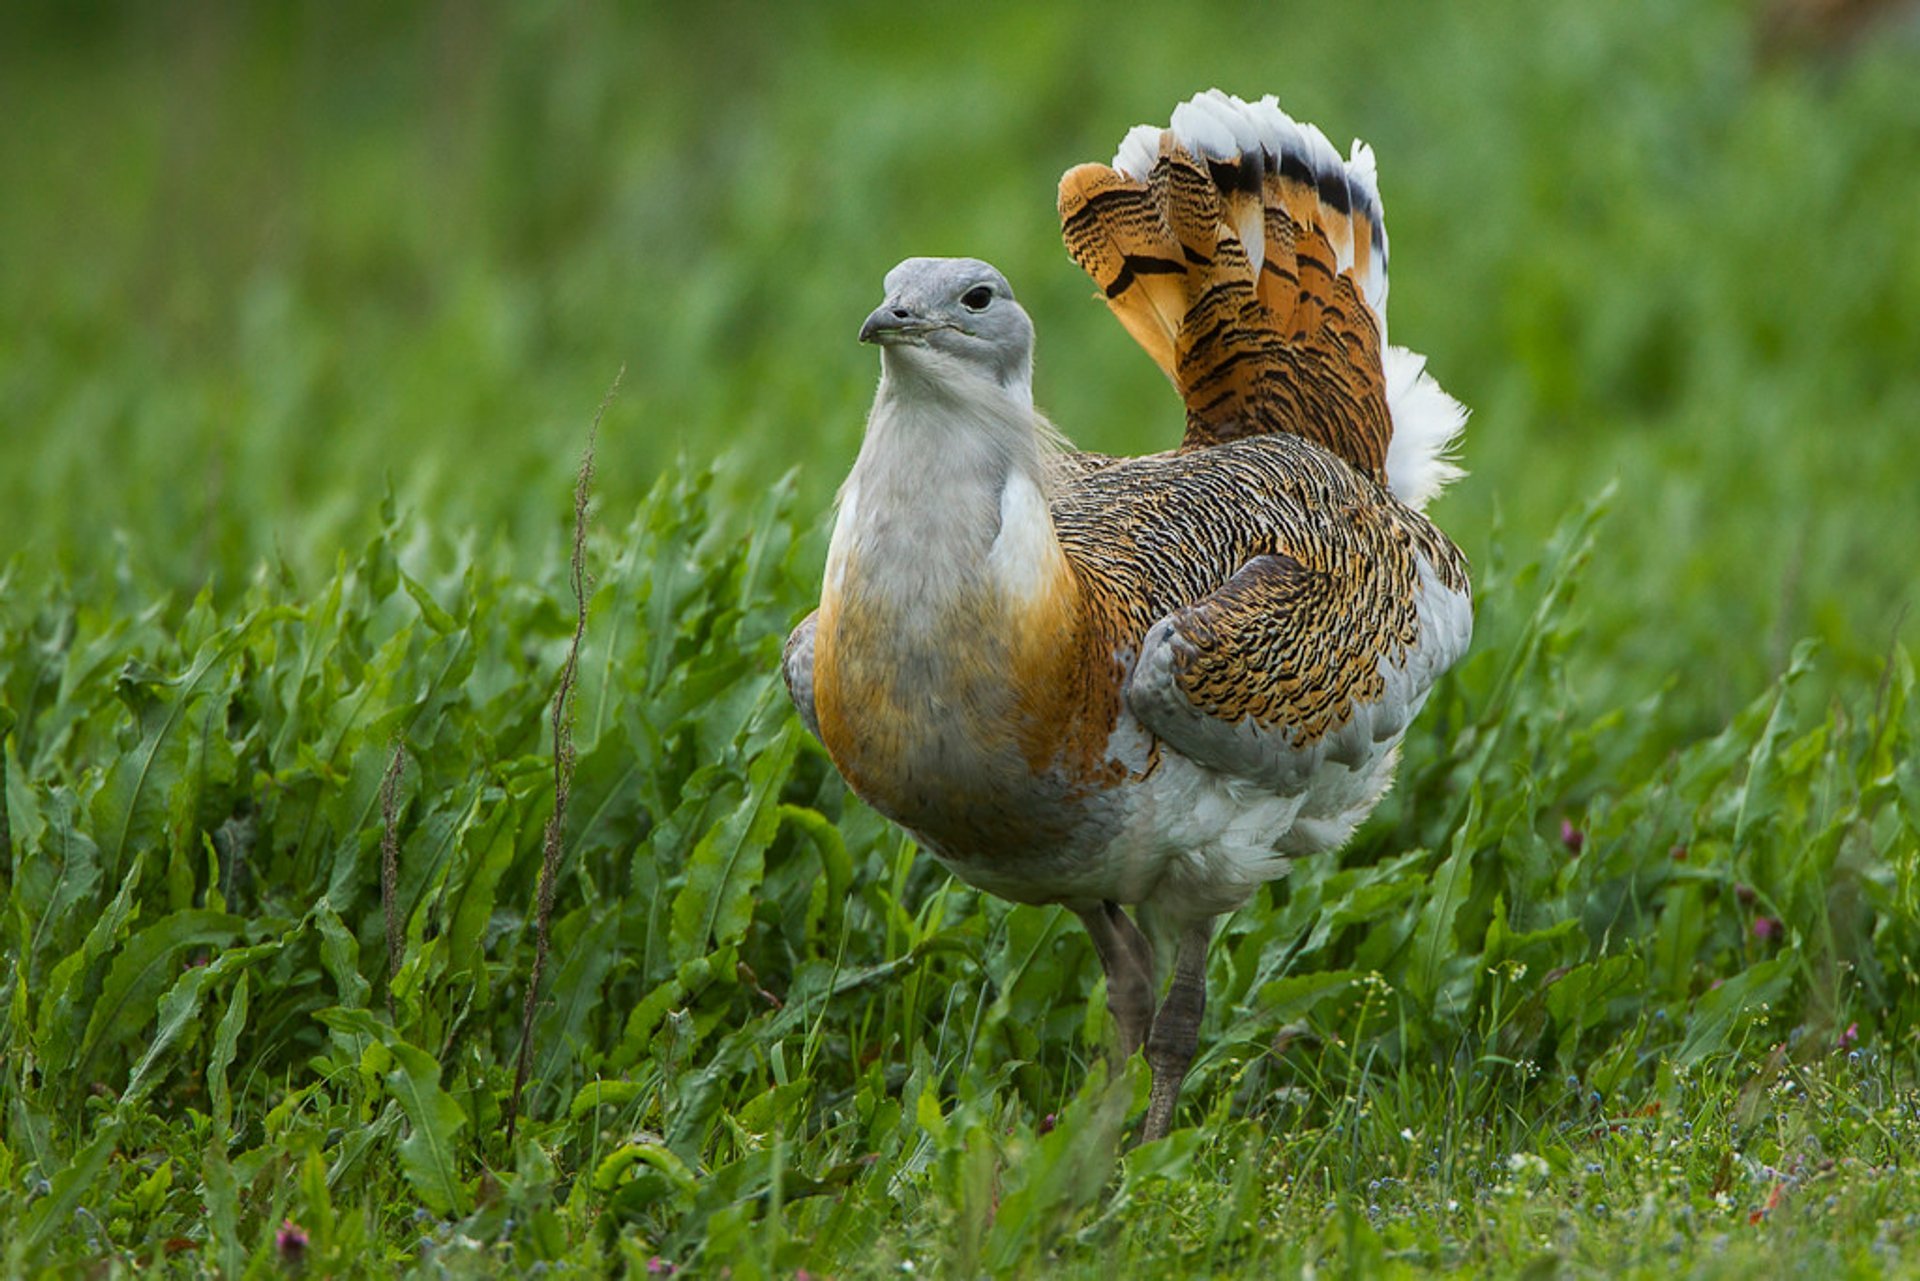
x: 1250, y: 261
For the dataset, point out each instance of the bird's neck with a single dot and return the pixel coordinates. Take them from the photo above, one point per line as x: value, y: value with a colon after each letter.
x: 946, y: 508
x: 948, y: 607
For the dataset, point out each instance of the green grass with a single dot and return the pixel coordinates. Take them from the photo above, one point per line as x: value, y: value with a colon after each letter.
x: 303, y: 320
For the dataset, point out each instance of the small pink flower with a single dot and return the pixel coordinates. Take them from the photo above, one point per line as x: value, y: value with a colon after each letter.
x: 659, y: 1267
x: 1765, y: 927
x: 1848, y: 1037
x: 291, y: 1242
x: 1572, y: 837
x: 1047, y: 1123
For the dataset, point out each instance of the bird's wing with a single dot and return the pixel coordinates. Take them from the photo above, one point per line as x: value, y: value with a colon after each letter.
x: 1283, y: 611
x: 796, y: 664
x: 1250, y: 261
x: 1272, y: 676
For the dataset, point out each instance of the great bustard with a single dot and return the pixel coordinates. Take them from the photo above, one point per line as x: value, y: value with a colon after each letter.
x: 1145, y: 682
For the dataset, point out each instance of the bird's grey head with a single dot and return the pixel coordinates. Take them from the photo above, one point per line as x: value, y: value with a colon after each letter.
x: 953, y: 317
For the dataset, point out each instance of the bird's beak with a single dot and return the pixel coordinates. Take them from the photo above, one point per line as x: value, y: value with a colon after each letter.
x: 892, y: 323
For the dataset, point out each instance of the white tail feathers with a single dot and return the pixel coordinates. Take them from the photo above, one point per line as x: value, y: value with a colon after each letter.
x: 1426, y: 426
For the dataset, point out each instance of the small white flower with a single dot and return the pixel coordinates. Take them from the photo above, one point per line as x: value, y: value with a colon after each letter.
x: 1528, y: 1164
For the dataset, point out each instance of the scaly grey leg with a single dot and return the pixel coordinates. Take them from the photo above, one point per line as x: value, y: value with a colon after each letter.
x: 1176, y: 1028
x: 1127, y: 957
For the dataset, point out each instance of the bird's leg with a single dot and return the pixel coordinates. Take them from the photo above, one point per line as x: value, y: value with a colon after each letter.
x: 1127, y: 957
x: 1176, y: 1028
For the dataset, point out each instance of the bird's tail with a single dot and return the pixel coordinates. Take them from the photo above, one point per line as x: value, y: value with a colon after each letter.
x: 1250, y: 261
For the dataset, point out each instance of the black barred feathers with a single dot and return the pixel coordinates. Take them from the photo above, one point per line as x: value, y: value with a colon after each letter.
x: 1162, y: 535
x: 1249, y: 261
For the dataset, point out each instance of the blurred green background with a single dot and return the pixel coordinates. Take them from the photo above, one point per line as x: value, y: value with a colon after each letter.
x: 262, y: 263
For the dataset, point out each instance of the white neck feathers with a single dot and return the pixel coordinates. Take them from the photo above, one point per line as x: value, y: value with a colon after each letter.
x: 947, y: 501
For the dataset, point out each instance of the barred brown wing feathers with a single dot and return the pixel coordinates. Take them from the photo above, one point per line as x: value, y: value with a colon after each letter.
x: 1284, y: 610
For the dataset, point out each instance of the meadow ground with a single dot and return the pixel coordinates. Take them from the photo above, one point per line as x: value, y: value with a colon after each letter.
x: 304, y: 316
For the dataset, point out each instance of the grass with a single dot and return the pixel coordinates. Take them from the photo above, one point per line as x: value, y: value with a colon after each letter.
x: 304, y: 322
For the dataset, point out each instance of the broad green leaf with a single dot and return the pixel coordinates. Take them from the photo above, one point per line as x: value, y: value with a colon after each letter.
x: 63, y: 1008
x: 181, y: 1005
x: 356, y: 1020
x: 1061, y: 1175
x: 53, y: 1213
x: 226, y: 1039
x: 614, y: 1168
x: 223, y: 1206
x: 30, y: 1131
x: 1503, y: 943
x: 1283, y: 1000
x: 144, y: 968
x: 607, y: 811
x: 54, y: 875
x: 1678, y: 938
x: 1719, y: 1013
x: 340, y: 954
x: 1758, y: 799
x: 1579, y: 999
x: 836, y: 865
x: 713, y: 907
x: 602, y: 1093
x: 574, y: 996
x: 128, y: 810
x: 1434, y: 944
x: 644, y: 1018
x: 429, y: 1155
x: 148, y: 1194
x: 435, y: 617
x: 317, y: 1216
x: 488, y: 848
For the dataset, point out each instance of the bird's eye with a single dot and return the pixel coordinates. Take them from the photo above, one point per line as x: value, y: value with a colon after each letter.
x: 977, y: 298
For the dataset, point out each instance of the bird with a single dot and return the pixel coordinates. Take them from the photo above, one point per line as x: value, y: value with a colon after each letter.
x: 1139, y: 687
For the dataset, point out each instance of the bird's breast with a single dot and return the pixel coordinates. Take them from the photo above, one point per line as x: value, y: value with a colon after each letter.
x: 956, y: 716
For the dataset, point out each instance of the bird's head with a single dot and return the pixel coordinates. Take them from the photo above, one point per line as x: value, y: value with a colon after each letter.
x: 953, y: 318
